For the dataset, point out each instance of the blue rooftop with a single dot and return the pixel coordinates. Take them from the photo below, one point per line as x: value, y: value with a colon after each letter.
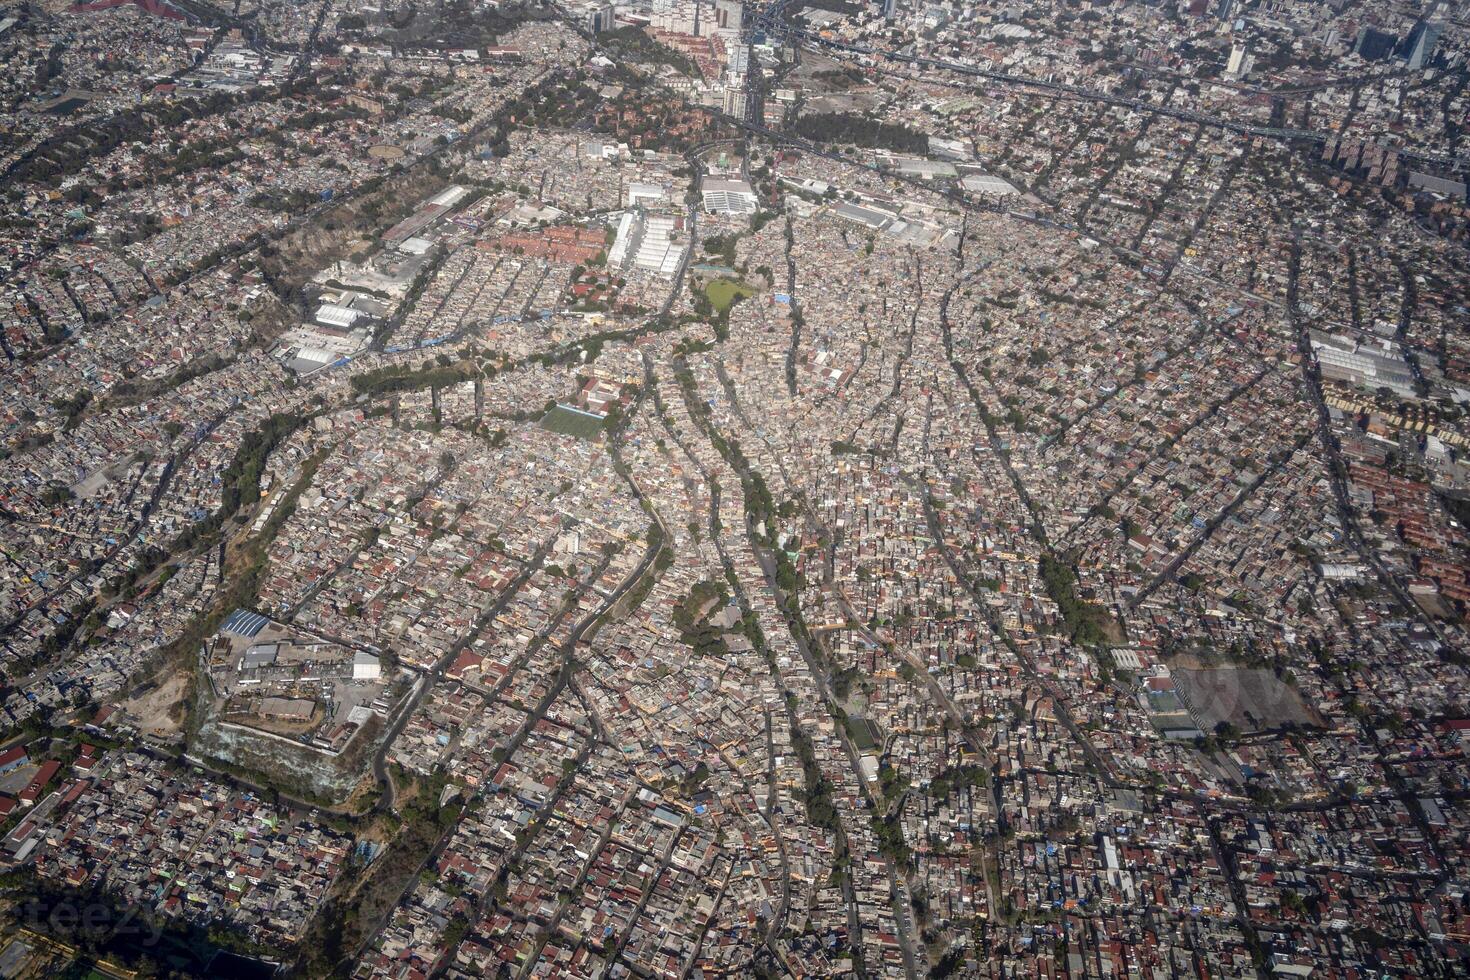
x: 244, y: 622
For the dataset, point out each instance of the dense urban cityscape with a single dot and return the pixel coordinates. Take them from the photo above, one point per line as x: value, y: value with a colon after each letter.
x: 701, y: 488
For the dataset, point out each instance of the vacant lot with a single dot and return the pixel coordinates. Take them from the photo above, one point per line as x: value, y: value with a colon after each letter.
x: 158, y: 711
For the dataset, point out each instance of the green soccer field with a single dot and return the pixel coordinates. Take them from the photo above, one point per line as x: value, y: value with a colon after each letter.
x: 572, y: 423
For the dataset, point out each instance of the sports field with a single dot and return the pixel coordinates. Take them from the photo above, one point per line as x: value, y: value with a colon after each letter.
x: 572, y: 423
x: 723, y: 293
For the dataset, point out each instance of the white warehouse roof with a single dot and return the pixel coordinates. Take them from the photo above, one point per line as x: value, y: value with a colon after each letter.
x: 337, y: 316
x: 449, y: 197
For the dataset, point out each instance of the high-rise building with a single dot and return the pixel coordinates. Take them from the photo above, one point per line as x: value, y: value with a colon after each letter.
x: 1239, y: 62
x: 1374, y: 45
x: 1422, y: 40
x: 729, y: 14
x: 678, y: 16
x: 890, y: 7
x: 738, y: 58
x: 735, y: 102
x: 600, y: 17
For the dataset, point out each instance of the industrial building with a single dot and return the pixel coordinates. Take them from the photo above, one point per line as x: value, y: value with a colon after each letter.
x: 728, y: 197
x: 651, y: 242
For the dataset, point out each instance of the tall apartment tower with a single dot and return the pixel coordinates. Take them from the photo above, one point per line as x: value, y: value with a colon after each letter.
x: 729, y: 15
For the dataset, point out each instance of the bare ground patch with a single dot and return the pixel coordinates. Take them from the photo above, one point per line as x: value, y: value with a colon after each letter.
x: 160, y: 709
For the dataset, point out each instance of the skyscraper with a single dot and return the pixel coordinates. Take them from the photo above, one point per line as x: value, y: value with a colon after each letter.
x: 729, y: 14
x: 1374, y: 45
x: 1422, y: 40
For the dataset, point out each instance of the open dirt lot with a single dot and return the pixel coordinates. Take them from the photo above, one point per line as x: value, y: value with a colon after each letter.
x: 159, y: 710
